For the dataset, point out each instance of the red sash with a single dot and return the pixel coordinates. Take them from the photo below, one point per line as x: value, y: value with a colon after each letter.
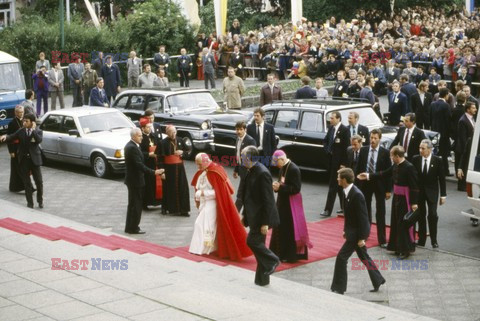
x: 158, y: 180
x: 173, y: 159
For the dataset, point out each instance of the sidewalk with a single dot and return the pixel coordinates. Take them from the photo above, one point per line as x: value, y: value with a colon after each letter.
x: 152, y: 287
x: 157, y: 288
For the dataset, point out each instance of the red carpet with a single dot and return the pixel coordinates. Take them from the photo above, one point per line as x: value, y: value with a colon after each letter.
x: 326, y: 236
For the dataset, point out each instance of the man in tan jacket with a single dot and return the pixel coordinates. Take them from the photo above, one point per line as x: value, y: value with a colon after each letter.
x: 233, y: 88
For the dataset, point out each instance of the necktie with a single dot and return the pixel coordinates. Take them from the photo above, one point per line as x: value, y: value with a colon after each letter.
x: 353, y: 131
x: 29, y: 132
x: 425, y: 167
x: 371, y: 163
x: 258, y: 135
x: 405, y: 141
x: 356, y: 157
x: 394, y: 97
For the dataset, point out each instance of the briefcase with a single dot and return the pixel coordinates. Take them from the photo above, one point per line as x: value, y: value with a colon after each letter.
x: 411, y: 217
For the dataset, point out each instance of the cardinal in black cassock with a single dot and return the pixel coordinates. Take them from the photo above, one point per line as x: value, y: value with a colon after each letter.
x: 176, y: 197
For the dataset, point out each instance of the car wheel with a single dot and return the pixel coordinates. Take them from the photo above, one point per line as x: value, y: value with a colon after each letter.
x: 100, y: 166
x: 190, y: 151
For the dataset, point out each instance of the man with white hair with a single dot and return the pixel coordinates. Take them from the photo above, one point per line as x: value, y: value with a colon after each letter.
x: 218, y: 226
x: 134, y: 67
x: 176, y: 197
x: 290, y: 241
x: 135, y: 181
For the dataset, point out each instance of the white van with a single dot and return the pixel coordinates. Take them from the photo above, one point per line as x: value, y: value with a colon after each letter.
x: 473, y: 178
x: 12, y: 88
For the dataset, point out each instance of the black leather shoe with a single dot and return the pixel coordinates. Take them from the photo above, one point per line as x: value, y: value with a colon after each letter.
x: 30, y: 205
x: 326, y: 213
x: 339, y: 212
x: 136, y: 232
x: 337, y: 292
x: 435, y: 245
x: 184, y: 214
x: 383, y: 246
x: 375, y: 289
x: 40, y: 205
x: 404, y: 256
x: 274, y: 267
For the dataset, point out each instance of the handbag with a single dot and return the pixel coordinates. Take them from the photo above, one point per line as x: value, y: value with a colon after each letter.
x: 411, y: 217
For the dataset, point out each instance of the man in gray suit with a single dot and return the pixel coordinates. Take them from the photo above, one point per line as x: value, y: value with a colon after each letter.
x: 134, y: 67
x: 75, y: 71
x: 55, y: 81
x: 209, y: 66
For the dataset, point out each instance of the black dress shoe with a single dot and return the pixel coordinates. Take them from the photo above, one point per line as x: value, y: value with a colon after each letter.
x: 136, y: 232
x: 404, y: 256
x: 375, y: 289
x: 340, y: 212
x: 435, y: 245
x: 40, y: 205
x: 30, y: 205
x: 184, y: 214
x: 383, y: 246
x: 274, y: 267
x: 338, y: 292
x: 326, y: 213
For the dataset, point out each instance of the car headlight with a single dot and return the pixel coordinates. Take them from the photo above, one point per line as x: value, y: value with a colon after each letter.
x: 118, y: 153
x: 205, y: 125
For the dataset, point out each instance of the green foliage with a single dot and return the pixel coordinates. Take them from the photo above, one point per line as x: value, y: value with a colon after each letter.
x: 157, y: 22
x: 207, y: 17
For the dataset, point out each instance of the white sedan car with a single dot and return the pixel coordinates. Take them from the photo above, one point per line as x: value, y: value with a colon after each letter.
x: 87, y: 136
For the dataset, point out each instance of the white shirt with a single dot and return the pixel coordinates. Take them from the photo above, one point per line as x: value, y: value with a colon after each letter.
x: 239, y: 145
x: 429, y: 159
x: 422, y: 97
x: 410, y: 131
x: 347, y: 189
x: 260, y: 129
x: 337, y: 126
x: 470, y: 118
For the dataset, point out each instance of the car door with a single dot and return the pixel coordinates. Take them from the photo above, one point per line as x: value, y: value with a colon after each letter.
x: 69, y: 147
x: 286, y: 123
x: 309, y: 141
x: 51, y: 127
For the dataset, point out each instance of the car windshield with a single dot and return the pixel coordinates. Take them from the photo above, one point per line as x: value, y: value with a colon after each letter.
x: 103, y: 122
x: 11, y: 77
x: 189, y: 101
x: 367, y: 117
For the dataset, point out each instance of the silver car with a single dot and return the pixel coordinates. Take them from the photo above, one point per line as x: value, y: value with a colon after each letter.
x: 87, y: 136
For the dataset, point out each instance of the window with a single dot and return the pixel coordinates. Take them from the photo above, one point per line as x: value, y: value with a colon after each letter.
x: 312, y: 122
x: 185, y: 102
x: 155, y: 103
x: 137, y: 102
x: 11, y: 76
x: 68, y: 123
x: 122, y: 102
x: 52, y: 123
x: 287, y: 119
x: 269, y: 116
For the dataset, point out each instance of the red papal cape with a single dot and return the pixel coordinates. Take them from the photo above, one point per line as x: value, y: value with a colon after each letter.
x: 231, y: 235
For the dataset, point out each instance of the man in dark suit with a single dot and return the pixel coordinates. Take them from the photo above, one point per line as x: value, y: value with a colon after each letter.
x: 161, y: 59
x: 431, y: 176
x: 98, y: 97
x: 356, y: 129
x: 355, y: 232
x: 374, y: 159
x: 29, y: 157
x: 75, y: 71
x: 111, y: 77
x: 408, y: 89
x: 440, y: 115
x: 305, y: 92
x: 243, y: 140
x: 135, y: 181
x: 270, y: 91
x: 468, y: 91
x: 397, y: 104
x: 184, y: 68
x: 409, y: 137
x: 157, y: 128
x: 237, y: 62
x: 264, y: 135
x: 259, y: 213
x: 341, y: 87
x: 465, y: 129
x: 420, y: 102
x: 353, y: 152
x: 392, y: 72
x: 336, y: 143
